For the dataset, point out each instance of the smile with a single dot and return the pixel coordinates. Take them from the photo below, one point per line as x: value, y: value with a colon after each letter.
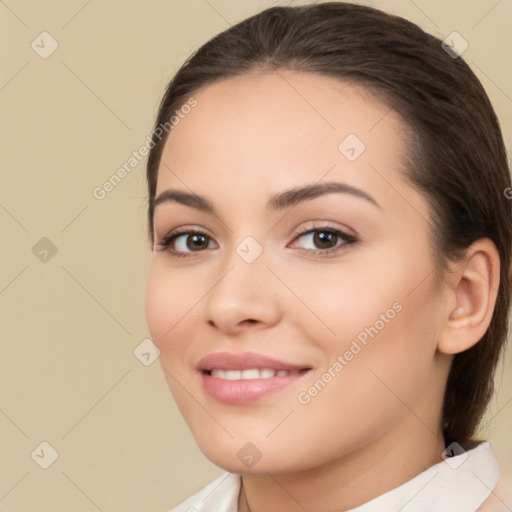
x: 250, y: 374
x: 244, y: 378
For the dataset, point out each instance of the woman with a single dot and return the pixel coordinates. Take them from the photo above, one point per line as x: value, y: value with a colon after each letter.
x: 331, y: 277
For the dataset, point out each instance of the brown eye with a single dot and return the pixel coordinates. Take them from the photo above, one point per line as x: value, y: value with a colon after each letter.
x: 324, y: 240
x: 196, y: 242
x: 186, y: 242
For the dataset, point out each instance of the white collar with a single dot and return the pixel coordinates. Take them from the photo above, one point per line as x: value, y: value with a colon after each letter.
x: 460, y: 483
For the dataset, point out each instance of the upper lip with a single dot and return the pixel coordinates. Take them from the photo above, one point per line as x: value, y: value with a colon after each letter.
x: 244, y: 361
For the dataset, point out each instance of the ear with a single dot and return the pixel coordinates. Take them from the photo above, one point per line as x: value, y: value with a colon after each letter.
x: 473, y: 288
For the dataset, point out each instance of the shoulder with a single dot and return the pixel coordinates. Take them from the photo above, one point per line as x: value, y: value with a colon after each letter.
x: 220, y: 495
x: 500, y: 499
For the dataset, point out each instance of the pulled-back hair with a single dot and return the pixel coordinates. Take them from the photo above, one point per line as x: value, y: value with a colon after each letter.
x: 457, y: 157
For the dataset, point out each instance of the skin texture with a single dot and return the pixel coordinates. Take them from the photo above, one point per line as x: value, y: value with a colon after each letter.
x: 247, y: 139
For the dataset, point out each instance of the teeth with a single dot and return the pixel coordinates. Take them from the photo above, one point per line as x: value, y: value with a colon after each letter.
x: 253, y: 373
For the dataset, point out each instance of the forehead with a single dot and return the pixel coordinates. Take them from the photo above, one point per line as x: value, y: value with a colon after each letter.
x: 282, y: 127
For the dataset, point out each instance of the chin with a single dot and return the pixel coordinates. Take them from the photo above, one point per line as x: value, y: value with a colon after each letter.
x: 232, y: 464
x: 257, y: 457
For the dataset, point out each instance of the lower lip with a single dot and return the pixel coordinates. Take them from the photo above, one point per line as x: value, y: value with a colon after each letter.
x: 245, y: 391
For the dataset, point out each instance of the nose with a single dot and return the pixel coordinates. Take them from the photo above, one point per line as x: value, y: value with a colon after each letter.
x: 246, y: 295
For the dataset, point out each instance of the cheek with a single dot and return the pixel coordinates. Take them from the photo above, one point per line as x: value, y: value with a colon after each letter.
x: 169, y: 301
x: 363, y: 389
x: 157, y: 307
x: 338, y: 301
x: 169, y: 305
x: 381, y: 314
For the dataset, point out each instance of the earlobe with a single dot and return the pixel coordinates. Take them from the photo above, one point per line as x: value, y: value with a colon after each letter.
x: 475, y: 283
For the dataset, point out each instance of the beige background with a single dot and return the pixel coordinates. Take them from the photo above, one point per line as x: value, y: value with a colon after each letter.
x: 69, y: 325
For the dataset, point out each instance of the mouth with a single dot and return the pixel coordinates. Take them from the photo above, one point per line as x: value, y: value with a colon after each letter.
x: 252, y: 373
x: 240, y: 379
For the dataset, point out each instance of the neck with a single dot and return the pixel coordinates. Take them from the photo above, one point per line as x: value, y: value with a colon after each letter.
x: 348, y: 481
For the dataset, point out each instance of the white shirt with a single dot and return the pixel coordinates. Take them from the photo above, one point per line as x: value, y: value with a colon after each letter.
x: 460, y: 483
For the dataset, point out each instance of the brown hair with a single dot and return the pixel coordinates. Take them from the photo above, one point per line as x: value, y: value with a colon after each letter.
x: 457, y: 155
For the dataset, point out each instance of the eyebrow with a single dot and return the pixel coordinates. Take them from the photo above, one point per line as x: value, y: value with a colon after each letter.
x: 287, y: 199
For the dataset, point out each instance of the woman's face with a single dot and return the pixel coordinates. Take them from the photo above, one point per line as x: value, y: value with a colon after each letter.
x: 334, y: 288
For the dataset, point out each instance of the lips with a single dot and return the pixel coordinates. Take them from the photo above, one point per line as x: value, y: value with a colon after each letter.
x: 245, y: 361
x: 240, y: 379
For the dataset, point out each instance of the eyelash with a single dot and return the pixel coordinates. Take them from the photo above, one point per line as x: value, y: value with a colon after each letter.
x: 167, y: 241
x: 347, y: 239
